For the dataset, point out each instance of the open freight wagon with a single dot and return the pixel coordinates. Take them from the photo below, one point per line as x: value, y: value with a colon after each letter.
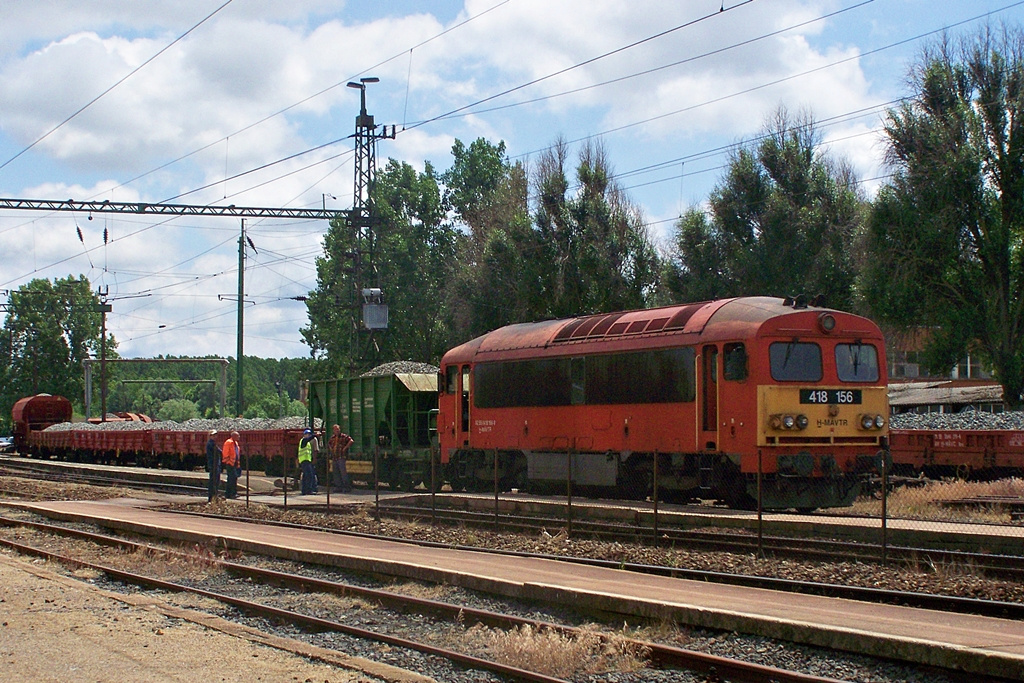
x: 392, y: 420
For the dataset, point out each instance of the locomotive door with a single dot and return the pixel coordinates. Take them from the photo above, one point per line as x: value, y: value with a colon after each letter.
x: 709, y: 398
x: 464, y: 400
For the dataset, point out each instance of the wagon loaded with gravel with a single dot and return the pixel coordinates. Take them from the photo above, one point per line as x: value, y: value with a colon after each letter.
x: 391, y: 415
x: 43, y: 429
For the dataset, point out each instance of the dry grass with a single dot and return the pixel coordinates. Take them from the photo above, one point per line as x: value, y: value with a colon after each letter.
x: 195, y: 564
x: 931, y: 501
x: 664, y: 631
x: 437, y: 592
x: 556, y: 654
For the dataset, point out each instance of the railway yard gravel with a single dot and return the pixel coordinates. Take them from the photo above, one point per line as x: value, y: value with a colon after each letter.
x: 224, y: 424
x: 956, y: 581
x: 356, y: 612
x: 966, y: 419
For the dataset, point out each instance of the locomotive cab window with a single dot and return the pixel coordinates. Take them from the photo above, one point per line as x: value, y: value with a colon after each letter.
x: 856, y: 362
x: 735, y: 362
x: 451, y: 379
x: 795, y: 361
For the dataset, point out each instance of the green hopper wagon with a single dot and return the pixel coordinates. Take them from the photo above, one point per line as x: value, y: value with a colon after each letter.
x: 392, y: 420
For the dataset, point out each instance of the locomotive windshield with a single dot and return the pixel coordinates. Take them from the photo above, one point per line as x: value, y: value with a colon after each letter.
x: 857, y: 362
x: 795, y: 361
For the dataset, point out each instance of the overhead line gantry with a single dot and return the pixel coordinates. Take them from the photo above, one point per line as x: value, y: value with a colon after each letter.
x: 168, y: 209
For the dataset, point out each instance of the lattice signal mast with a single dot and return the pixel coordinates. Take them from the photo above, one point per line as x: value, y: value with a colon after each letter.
x: 369, y: 308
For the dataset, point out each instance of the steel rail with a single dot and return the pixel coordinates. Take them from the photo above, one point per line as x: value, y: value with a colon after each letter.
x: 1007, y: 566
x: 46, y: 474
x: 290, y: 616
x: 662, y: 655
x: 945, y: 603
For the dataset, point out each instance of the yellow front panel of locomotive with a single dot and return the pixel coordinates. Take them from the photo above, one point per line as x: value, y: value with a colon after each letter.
x: 819, y: 414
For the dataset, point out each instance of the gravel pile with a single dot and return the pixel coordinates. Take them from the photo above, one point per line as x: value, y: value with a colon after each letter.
x: 402, y: 367
x: 967, y: 419
x: 224, y: 424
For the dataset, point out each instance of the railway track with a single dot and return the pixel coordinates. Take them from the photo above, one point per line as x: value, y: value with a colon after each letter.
x: 829, y: 551
x: 945, y: 603
x: 659, y: 656
x: 42, y: 472
x: 1002, y: 566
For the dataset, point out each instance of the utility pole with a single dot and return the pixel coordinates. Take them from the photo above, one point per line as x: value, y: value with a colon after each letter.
x: 369, y: 312
x: 239, y: 396
x: 103, y: 308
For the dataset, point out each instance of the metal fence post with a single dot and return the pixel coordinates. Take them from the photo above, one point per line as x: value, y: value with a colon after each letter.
x: 655, y: 494
x: 284, y: 461
x: 433, y: 488
x: 885, y: 505
x: 496, y: 523
x: 376, y: 482
x: 247, y: 478
x: 568, y: 489
x: 760, y: 507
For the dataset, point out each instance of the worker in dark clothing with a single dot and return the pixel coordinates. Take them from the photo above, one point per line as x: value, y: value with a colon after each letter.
x: 231, y: 461
x: 213, y: 467
x: 338, y: 446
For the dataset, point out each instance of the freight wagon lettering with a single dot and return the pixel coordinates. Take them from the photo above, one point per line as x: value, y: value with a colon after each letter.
x: 485, y: 425
x: 1017, y: 440
x: 833, y: 422
x: 948, y: 440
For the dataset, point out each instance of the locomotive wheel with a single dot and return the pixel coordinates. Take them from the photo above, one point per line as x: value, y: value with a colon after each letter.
x: 637, y: 482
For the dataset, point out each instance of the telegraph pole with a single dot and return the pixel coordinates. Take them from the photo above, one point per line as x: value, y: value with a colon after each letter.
x: 239, y: 396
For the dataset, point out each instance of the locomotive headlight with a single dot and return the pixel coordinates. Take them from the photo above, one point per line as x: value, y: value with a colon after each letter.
x: 879, y: 421
x: 801, y: 422
x: 867, y: 421
x: 827, y: 322
x: 775, y: 422
x: 788, y: 422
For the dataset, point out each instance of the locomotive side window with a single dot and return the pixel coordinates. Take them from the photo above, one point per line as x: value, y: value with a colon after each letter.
x: 735, y: 362
x: 857, y: 362
x: 578, y: 370
x: 664, y: 376
x: 451, y: 379
x: 795, y: 361
x: 542, y: 382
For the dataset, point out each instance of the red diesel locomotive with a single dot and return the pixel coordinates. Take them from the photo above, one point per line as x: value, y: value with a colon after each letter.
x: 700, y: 396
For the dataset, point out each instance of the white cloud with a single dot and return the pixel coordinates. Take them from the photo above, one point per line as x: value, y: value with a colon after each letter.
x: 259, y: 57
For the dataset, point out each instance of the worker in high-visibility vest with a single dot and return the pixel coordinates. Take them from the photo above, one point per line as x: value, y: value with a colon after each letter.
x: 308, y: 448
x: 231, y: 462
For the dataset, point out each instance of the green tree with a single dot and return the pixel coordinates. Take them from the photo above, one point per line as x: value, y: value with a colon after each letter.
x: 178, y: 410
x: 785, y: 220
x: 412, y: 255
x: 50, y: 328
x: 946, y: 233
x: 497, y: 281
x: 596, y: 253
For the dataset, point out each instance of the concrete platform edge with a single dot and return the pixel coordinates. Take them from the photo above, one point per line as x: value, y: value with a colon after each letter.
x: 977, y: 661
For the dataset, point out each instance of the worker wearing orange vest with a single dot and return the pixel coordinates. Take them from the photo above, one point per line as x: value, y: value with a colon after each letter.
x: 231, y: 461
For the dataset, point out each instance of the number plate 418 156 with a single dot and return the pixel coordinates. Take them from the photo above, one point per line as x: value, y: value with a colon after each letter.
x: 830, y: 396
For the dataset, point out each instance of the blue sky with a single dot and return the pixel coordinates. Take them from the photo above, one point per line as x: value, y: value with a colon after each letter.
x: 260, y: 81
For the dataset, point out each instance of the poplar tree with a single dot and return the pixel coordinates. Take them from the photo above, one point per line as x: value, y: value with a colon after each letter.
x: 947, y: 231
